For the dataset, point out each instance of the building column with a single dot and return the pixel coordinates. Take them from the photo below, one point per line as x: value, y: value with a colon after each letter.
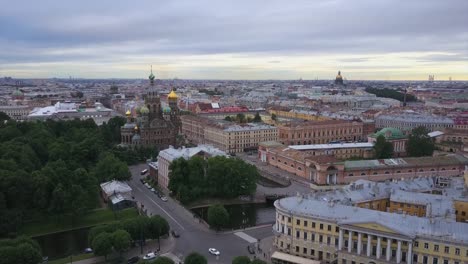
x: 388, y: 255
x: 359, y: 243
x: 409, y: 254
x: 379, y: 250
x: 369, y: 242
x: 398, y: 253
x: 350, y: 241
x: 340, y: 240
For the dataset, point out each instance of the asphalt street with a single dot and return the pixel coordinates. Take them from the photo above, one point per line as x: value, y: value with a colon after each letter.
x: 194, y: 236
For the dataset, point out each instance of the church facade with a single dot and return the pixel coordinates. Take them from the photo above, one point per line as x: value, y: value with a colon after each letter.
x: 154, y: 126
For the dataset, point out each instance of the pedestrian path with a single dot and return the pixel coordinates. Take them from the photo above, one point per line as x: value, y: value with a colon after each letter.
x: 246, y: 237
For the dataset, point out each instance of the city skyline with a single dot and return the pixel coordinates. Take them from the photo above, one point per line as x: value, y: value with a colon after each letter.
x: 366, y: 40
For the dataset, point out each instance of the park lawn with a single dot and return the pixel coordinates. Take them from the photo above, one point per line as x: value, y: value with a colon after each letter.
x: 75, y: 258
x: 93, y: 218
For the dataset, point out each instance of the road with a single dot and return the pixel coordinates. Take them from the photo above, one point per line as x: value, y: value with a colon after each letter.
x: 194, y: 236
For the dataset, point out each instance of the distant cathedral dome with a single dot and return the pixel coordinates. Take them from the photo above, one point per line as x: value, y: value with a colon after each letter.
x: 144, y: 110
x: 18, y: 95
x: 339, y: 79
x: 172, y: 95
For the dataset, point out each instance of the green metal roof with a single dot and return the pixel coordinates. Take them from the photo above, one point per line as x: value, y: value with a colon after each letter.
x: 394, y: 133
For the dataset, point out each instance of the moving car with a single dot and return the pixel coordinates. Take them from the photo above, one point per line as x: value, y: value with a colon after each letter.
x: 175, y: 233
x: 214, y: 251
x: 164, y: 198
x: 143, y: 172
x: 88, y: 250
x: 149, y: 256
x: 133, y: 260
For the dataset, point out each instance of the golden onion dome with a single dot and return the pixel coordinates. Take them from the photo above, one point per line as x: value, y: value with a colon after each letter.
x: 128, y: 112
x: 172, y: 95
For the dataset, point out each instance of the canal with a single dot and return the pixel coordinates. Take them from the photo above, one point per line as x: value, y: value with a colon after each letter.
x: 244, y: 215
x: 63, y: 244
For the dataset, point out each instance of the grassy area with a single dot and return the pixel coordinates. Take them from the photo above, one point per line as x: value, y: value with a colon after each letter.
x: 96, y: 217
x: 75, y: 258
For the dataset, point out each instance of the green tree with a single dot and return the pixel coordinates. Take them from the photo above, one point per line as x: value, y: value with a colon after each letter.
x: 257, y: 118
x: 109, y: 168
x: 218, y: 216
x: 273, y: 117
x: 27, y: 254
x: 241, y: 260
x: 157, y: 227
x: 228, y: 118
x: 195, y: 258
x: 257, y: 261
x: 241, y: 118
x: 419, y: 143
x: 8, y: 255
x: 163, y: 260
x: 3, y: 117
x: 102, y: 245
x: 121, y: 241
x: 382, y: 148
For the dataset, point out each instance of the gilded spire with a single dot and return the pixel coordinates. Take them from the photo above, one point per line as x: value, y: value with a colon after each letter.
x: 151, y: 76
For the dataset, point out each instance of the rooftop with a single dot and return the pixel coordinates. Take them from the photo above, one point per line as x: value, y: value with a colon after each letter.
x: 171, y: 153
x: 410, y: 226
x: 452, y: 159
x: 332, y: 146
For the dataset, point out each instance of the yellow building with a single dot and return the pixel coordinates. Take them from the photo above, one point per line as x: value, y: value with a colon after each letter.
x: 292, y: 114
x: 335, y: 233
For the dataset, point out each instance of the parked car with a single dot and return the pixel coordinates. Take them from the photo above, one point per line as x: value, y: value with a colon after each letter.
x: 175, y: 233
x: 143, y: 172
x: 150, y: 255
x: 143, y: 180
x: 133, y: 260
x: 148, y: 186
x: 164, y: 198
x: 88, y: 250
x: 214, y: 251
x: 153, y: 190
x: 160, y: 195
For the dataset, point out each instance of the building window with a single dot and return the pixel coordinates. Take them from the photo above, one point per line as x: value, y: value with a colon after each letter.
x: 416, y: 244
x: 386, y: 172
x: 297, y: 249
x: 298, y: 234
x: 436, y: 248
x: 446, y: 250
x: 329, y: 228
x: 435, y: 260
x: 298, y: 222
x: 426, y: 245
x: 321, y: 226
x: 337, y: 229
x: 457, y: 251
x: 304, y: 250
x: 305, y: 235
x: 289, y: 219
x: 350, y: 175
x: 313, y: 224
x: 305, y: 223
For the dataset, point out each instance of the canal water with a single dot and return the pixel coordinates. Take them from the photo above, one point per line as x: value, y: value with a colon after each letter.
x: 63, y: 244
x: 244, y: 215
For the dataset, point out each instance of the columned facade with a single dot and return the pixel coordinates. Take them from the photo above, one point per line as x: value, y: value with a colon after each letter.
x: 382, y: 248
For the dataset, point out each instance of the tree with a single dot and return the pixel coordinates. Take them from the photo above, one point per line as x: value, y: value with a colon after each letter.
x: 157, y: 227
x: 27, y: 254
x: 163, y: 260
x: 195, y: 258
x: 257, y: 261
x: 273, y: 117
x: 3, y: 117
x: 419, y: 143
x: 257, y: 118
x: 102, y: 245
x: 382, y: 148
x: 218, y: 216
x: 241, y: 260
x: 240, y: 118
x: 121, y: 241
x: 109, y: 168
x: 228, y: 118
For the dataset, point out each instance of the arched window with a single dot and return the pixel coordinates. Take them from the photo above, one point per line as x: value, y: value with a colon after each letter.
x: 374, y: 173
x: 387, y: 172
x: 410, y: 170
x: 432, y: 170
x: 363, y: 174
x: 350, y: 175
x: 398, y: 172
x: 299, y: 168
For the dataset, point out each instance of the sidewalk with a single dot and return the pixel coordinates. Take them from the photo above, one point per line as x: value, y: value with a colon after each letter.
x: 264, y: 249
x: 167, y: 245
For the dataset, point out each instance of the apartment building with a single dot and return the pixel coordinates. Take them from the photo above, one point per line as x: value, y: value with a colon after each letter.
x: 321, y: 132
x: 227, y: 136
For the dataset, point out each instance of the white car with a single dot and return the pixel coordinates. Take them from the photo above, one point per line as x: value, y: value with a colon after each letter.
x: 214, y: 251
x: 149, y: 256
x: 164, y: 198
x: 147, y: 185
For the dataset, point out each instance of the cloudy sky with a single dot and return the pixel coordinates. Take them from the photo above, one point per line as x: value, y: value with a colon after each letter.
x: 251, y: 39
